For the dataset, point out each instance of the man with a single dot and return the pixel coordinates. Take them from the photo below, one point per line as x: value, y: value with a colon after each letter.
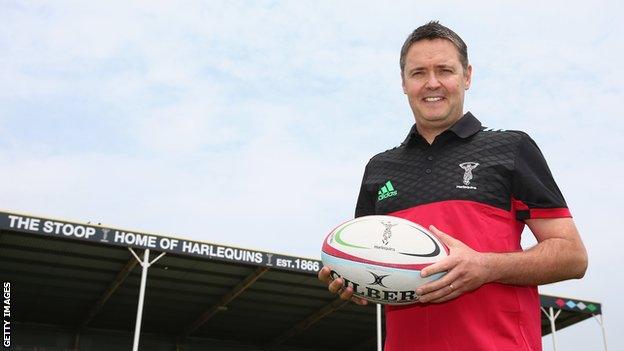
x: 475, y: 189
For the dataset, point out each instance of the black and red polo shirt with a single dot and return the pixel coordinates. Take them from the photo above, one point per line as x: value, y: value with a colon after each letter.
x: 477, y: 185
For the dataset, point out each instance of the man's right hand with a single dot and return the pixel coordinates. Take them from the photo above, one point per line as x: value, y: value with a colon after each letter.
x: 335, y: 286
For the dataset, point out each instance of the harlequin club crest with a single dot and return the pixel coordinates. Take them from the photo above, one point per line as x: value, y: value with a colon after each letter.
x: 387, y: 231
x: 104, y: 235
x: 468, y: 167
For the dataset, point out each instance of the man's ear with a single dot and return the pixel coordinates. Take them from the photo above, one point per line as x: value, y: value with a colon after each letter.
x: 403, y: 83
x: 468, y: 77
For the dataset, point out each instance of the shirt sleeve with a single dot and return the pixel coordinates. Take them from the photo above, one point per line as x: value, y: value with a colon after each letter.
x: 535, y: 193
x: 366, y: 202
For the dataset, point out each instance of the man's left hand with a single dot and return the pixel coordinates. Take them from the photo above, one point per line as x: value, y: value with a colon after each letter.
x: 466, y: 270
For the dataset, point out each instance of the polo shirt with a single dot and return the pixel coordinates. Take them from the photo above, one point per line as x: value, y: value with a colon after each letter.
x: 477, y: 185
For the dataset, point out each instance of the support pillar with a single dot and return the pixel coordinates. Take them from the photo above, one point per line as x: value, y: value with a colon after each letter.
x: 145, y: 263
x: 604, y: 335
x: 552, y: 317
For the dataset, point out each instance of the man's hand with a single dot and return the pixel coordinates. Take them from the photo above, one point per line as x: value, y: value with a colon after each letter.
x: 466, y: 270
x: 335, y: 286
x: 558, y: 255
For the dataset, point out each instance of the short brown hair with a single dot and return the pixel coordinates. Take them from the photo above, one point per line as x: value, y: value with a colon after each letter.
x: 434, y: 30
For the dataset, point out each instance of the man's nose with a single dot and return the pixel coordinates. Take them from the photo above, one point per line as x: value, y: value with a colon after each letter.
x: 432, y: 81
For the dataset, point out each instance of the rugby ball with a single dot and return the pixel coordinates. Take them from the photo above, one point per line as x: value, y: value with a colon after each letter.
x: 380, y: 257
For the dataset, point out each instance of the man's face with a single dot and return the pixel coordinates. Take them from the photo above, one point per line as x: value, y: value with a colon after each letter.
x: 434, y: 82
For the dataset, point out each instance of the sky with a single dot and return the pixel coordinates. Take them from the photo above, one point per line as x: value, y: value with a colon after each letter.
x: 249, y: 123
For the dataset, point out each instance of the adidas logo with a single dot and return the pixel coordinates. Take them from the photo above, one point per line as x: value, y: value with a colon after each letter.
x: 386, y: 191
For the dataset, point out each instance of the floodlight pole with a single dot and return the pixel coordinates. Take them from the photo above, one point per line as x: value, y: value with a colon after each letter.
x: 378, y: 327
x: 145, y: 263
x: 552, y: 317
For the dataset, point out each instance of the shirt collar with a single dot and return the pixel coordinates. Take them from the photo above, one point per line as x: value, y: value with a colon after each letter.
x: 465, y: 127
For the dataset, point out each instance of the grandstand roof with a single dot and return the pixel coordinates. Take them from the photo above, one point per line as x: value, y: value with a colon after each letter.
x: 80, y: 277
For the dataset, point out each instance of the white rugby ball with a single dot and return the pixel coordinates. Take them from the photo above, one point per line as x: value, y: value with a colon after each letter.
x: 380, y: 257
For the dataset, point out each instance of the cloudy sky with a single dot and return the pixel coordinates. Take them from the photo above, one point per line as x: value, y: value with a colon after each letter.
x: 249, y: 123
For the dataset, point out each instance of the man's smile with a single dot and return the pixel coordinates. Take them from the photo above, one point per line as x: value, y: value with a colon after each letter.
x: 433, y: 99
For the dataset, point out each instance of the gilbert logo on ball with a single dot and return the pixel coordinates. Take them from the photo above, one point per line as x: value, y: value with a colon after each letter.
x: 380, y: 257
